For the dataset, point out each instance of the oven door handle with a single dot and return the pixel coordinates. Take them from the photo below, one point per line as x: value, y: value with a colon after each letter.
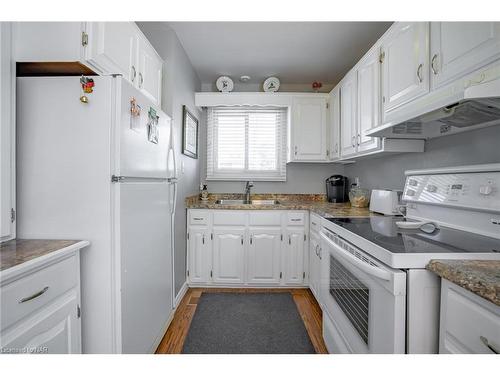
x: 371, y: 270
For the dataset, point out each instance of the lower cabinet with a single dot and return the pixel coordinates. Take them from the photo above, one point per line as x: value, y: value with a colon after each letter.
x: 314, y: 264
x: 264, y: 260
x: 228, y: 250
x: 247, y: 248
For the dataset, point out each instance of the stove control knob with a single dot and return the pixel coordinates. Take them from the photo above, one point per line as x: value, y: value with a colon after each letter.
x: 410, y: 193
x: 432, y: 188
x: 413, y: 182
x: 485, y: 189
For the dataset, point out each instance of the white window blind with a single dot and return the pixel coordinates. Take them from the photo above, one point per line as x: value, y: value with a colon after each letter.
x: 246, y: 142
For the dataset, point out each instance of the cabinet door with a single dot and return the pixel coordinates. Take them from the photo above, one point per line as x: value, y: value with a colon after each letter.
x: 405, y: 68
x: 309, y: 129
x: 54, y: 330
x: 199, y: 255
x: 314, y: 264
x: 7, y: 139
x: 334, y: 120
x: 348, y: 118
x: 458, y: 48
x: 263, y: 256
x: 228, y: 255
x: 113, y: 48
x: 369, y: 102
x: 150, y: 71
x: 294, y: 256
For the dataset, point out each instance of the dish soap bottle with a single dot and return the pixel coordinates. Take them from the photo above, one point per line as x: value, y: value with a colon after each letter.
x: 204, y: 193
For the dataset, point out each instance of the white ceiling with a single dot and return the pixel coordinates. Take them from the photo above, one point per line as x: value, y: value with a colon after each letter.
x: 295, y: 52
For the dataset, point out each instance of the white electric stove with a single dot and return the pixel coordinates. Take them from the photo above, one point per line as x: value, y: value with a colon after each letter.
x: 378, y: 296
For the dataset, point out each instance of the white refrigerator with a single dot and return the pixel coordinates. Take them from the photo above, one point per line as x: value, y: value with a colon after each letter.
x: 102, y: 171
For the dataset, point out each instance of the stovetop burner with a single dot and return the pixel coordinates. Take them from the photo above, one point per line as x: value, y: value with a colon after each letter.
x: 382, y: 231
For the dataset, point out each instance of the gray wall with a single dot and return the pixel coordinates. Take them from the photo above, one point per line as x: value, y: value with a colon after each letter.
x: 180, y: 82
x: 307, y: 178
x: 472, y: 147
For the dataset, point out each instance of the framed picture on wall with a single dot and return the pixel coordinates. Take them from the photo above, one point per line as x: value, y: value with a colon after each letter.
x: 189, y: 134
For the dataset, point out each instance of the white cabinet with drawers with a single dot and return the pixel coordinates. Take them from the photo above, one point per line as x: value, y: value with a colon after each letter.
x: 469, y: 324
x: 40, y: 304
x: 247, y: 247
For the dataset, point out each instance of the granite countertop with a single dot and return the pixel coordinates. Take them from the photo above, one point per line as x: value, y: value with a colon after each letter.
x: 481, y: 277
x: 312, y: 202
x: 16, y: 252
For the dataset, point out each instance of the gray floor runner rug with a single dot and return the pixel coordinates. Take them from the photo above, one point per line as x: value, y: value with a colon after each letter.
x: 247, y: 323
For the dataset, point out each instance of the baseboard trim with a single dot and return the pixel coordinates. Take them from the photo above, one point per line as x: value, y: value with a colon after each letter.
x: 178, y: 298
x: 236, y: 286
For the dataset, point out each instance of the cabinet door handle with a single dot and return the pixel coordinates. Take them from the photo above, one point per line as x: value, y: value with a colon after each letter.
x: 359, y: 139
x: 336, y: 147
x: 242, y: 240
x: 33, y: 296
x: 316, y: 250
x: 289, y: 240
x: 134, y: 73
x: 433, y: 64
x: 295, y: 150
x: 251, y: 240
x: 484, y: 340
x: 141, y: 80
x: 319, y: 253
x: 353, y: 141
x: 419, y: 73
x: 203, y: 239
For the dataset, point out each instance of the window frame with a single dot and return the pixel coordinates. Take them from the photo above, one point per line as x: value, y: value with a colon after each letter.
x: 279, y: 174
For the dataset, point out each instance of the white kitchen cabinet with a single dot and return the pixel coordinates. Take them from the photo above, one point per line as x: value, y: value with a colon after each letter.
x: 228, y: 255
x: 199, y: 254
x: 309, y: 129
x: 112, y: 47
x: 293, y: 255
x: 468, y: 324
x: 348, y: 114
x: 40, y: 304
x: 458, y: 48
x: 405, y: 64
x: 369, y: 103
x: 7, y: 136
x: 263, y: 257
x: 103, y: 47
x: 150, y: 71
x: 334, y: 121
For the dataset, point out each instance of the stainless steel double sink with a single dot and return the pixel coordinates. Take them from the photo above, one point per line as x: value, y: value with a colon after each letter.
x: 233, y: 202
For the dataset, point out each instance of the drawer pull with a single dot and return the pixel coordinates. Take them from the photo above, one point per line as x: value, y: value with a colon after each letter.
x: 197, y: 218
x: 295, y: 219
x: 33, y: 296
x: 484, y: 340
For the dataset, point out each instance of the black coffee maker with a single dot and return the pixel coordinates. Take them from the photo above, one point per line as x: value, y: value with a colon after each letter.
x: 337, y: 189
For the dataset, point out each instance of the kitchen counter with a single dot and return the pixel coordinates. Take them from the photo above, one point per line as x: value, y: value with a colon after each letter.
x: 16, y: 252
x: 312, y: 202
x: 481, y: 277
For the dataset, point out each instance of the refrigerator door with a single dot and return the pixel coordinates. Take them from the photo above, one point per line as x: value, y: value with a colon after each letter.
x: 146, y: 264
x: 143, y: 141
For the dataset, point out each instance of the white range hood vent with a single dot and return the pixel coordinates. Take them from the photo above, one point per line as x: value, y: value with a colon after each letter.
x: 477, y: 106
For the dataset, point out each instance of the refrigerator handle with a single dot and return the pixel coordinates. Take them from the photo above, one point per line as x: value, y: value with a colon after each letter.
x: 174, y: 200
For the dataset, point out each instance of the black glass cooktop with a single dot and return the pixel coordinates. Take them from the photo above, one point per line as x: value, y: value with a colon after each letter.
x: 382, y: 231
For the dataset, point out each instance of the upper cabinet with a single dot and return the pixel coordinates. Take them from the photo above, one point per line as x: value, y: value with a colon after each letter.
x: 309, y: 129
x: 105, y: 48
x: 7, y: 137
x: 458, y: 48
x: 348, y: 114
x: 368, y: 100
x: 334, y: 121
x: 405, y: 68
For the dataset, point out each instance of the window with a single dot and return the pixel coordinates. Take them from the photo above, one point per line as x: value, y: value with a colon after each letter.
x: 246, y: 143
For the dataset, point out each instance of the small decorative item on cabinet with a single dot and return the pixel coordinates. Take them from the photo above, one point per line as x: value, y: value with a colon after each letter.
x: 316, y: 86
x: 87, y: 88
x: 271, y: 84
x: 204, y: 193
x: 224, y: 84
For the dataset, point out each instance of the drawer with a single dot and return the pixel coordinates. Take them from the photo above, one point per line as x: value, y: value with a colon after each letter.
x: 230, y: 217
x: 296, y: 218
x: 315, y: 223
x: 265, y: 218
x: 36, y: 290
x: 467, y: 318
x: 198, y: 217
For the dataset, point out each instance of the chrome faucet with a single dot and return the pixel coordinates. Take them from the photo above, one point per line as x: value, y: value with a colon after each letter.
x: 248, y: 187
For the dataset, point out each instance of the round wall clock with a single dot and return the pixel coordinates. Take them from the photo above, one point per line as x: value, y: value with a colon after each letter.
x: 272, y: 84
x: 224, y: 84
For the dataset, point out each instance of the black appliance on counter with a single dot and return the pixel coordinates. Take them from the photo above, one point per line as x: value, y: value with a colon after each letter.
x: 337, y: 189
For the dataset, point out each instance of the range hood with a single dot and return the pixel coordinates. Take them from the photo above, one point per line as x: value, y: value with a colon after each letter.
x: 474, y: 107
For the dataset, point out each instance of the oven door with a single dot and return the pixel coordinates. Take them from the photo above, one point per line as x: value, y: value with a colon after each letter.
x: 364, y: 300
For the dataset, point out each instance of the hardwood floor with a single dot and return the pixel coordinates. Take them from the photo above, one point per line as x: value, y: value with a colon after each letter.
x: 307, y: 306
